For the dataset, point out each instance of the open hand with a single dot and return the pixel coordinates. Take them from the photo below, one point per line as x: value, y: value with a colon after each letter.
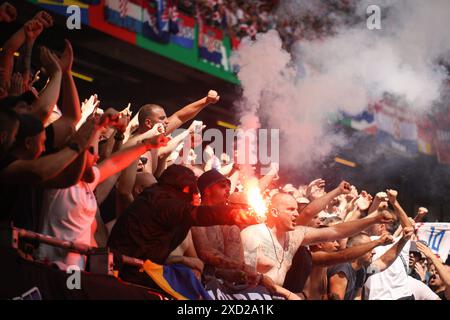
x: 420, y: 270
x: 49, y: 62
x: 424, y: 249
x: 89, y: 105
x: 65, y: 61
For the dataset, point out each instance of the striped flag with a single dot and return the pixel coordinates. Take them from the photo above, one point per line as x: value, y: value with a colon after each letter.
x: 123, y: 6
x: 126, y: 14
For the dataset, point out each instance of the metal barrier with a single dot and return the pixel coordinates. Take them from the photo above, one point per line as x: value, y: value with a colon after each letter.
x: 101, y: 260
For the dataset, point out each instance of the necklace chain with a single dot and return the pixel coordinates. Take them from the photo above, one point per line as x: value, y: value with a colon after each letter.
x: 280, y: 262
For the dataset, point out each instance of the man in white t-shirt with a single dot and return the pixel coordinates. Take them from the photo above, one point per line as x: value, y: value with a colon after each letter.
x: 69, y: 214
x: 270, y: 247
x: 392, y: 283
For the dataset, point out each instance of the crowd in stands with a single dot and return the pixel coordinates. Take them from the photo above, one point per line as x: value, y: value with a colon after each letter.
x: 70, y: 170
x: 239, y: 18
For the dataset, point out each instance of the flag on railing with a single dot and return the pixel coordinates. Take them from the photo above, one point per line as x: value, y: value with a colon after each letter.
x: 442, y: 137
x: 364, y: 121
x: 210, y: 44
x: 437, y: 237
x: 160, y: 22
x: 425, y: 136
x: 126, y: 14
x: 186, y: 33
x: 177, y: 280
x: 397, y: 129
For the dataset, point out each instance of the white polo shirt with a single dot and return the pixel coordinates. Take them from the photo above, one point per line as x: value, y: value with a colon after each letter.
x: 392, y: 283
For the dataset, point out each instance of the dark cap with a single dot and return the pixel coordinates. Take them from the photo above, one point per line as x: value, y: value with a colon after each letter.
x: 179, y: 177
x: 30, y: 126
x: 209, y: 178
x: 413, y: 248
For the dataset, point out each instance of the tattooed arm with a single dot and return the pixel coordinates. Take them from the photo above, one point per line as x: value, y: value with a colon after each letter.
x: 209, y: 244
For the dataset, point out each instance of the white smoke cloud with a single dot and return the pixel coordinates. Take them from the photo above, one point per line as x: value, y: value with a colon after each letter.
x: 343, y: 72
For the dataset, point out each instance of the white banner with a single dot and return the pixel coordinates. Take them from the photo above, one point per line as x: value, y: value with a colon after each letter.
x: 437, y: 236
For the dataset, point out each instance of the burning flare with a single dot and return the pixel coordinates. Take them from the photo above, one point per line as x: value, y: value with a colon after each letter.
x: 255, y: 199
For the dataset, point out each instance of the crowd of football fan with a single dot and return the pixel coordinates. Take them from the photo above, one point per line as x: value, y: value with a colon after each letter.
x: 70, y: 170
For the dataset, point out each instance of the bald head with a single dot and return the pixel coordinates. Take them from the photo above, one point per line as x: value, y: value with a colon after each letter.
x: 147, y: 111
x: 151, y: 114
x: 280, y: 199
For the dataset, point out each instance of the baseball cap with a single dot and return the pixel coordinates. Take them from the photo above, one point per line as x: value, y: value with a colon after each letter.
x: 209, y: 178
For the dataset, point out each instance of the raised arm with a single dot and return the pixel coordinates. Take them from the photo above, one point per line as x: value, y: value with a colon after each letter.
x: 327, y: 259
x: 7, y: 57
x: 344, y: 230
x: 70, y: 107
x: 32, y: 31
x: 265, y: 181
x: 48, y: 97
x: 319, y: 204
x: 70, y: 175
x: 442, y: 270
x: 127, y: 178
x: 389, y: 257
x: 48, y: 167
x: 123, y: 158
x: 190, y: 111
x: 401, y: 214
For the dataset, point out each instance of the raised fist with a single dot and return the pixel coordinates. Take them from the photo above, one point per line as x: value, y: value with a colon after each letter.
x: 344, y: 187
x: 44, y: 18
x: 212, y: 97
x: 392, y: 195
x: 385, y: 239
x: 33, y: 29
x: 7, y: 12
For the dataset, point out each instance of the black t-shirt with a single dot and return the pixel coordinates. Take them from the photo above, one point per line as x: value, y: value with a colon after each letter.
x: 300, y: 270
x: 156, y: 223
x: 19, y: 203
x: 355, y: 278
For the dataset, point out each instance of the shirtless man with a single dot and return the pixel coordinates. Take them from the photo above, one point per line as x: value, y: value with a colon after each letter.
x: 270, y: 247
